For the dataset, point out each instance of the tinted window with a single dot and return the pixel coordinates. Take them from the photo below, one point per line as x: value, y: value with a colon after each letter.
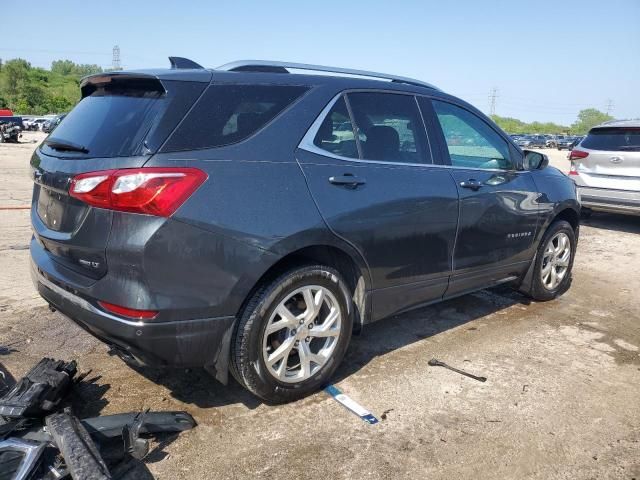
x: 335, y: 135
x: 227, y: 114
x: 613, y: 139
x: 389, y: 127
x: 471, y: 142
x: 113, y: 119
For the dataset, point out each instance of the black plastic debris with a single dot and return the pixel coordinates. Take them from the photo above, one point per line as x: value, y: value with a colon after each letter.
x: 40, y: 440
x: 39, y: 391
x: 77, y: 448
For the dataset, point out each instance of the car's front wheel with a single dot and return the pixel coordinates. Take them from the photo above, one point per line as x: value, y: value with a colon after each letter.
x: 554, y: 262
x: 292, y: 334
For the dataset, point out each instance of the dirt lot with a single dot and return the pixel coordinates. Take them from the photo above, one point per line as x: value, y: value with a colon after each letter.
x: 561, y: 400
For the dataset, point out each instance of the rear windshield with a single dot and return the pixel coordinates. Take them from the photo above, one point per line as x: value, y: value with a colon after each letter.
x: 613, y: 139
x: 116, y: 119
x: 227, y: 114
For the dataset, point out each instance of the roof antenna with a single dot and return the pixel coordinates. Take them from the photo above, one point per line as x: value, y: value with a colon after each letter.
x: 181, y: 62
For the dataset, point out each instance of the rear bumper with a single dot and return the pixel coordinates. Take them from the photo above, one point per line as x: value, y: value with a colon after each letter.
x: 609, y: 200
x: 182, y: 343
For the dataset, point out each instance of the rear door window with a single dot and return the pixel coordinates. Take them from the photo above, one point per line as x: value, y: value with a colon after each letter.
x: 390, y: 127
x: 471, y: 142
x: 228, y: 114
x: 613, y: 139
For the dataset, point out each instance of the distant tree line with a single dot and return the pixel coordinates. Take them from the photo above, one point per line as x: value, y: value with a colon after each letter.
x: 37, y: 91
x: 587, y: 119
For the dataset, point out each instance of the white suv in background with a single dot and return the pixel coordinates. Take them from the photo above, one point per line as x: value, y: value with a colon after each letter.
x: 606, y: 167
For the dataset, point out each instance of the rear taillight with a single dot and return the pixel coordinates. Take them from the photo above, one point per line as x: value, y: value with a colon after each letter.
x: 152, y: 191
x: 129, y: 312
x: 576, y: 154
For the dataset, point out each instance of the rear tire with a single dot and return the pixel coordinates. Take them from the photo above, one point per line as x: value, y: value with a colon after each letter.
x: 553, y: 262
x: 283, y: 348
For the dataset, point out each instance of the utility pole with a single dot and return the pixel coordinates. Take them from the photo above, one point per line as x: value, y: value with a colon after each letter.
x: 493, y: 95
x: 115, y: 62
x: 609, y: 107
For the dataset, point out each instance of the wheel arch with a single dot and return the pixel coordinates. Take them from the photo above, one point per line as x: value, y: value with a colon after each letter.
x: 565, y: 212
x: 570, y: 215
x: 349, y: 265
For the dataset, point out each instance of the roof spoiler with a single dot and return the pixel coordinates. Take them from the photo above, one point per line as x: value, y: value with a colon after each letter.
x: 130, y: 80
x: 183, y: 63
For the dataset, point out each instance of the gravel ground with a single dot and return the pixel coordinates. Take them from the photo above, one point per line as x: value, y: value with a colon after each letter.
x: 560, y: 402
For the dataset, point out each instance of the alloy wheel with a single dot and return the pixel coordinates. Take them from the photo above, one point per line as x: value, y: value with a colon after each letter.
x: 555, y: 261
x: 302, y: 334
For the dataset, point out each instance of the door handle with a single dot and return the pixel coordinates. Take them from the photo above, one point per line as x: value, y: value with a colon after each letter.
x: 348, y: 180
x: 472, y: 183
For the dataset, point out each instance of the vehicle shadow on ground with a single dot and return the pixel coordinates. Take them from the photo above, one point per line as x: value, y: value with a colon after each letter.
x: 613, y: 221
x: 198, y: 388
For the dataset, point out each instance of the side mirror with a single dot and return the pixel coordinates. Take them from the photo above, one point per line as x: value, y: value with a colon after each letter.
x: 534, y: 160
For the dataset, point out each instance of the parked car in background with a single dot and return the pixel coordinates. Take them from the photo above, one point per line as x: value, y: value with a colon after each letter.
x: 553, y: 141
x: 247, y: 219
x: 50, y: 125
x: 38, y: 123
x: 33, y: 124
x: 576, y: 141
x: 531, y: 141
x: 565, y: 143
x: 606, y: 167
x: 10, y: 129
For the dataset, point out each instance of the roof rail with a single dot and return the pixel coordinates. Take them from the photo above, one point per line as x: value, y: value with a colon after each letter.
x: 181, y: 62
x: 281, y: 67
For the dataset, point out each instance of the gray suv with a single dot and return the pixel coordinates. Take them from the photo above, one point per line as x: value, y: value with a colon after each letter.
x: 606, y: 167
x: 249, y: 218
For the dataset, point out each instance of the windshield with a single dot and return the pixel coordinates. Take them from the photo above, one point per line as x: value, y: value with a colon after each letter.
x: 613, y: 139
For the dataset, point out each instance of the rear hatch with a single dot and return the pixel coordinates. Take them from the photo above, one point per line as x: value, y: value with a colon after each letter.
x: 121, y: 121
x: 612, y: 160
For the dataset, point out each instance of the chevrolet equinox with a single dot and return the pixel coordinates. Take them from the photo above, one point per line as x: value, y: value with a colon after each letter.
x: 249, y: 218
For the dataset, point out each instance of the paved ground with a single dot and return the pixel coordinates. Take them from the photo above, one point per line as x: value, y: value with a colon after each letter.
x: 561, y: 400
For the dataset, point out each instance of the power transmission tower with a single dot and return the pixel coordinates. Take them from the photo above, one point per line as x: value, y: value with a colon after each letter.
x: 493, y: 96
x: 115, y: 62
x: 609, y: 107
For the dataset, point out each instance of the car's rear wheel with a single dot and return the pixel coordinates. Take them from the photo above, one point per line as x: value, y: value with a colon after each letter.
x: 292, y: 334
x: 554, y: 262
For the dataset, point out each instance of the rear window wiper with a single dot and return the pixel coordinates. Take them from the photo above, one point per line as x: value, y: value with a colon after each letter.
x: 630, y: 147
x: 65, y: 146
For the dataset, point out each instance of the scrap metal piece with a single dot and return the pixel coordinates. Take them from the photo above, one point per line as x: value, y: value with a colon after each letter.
x: 39, y: 391
x: 78, y: 450
x: 134, y: 445
x: 18, y: 458
x: 110, y: 426
x: 351, y: 404
x: 437, y: 363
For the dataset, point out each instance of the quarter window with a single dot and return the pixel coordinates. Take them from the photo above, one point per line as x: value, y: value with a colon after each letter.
x: 335, y: 134
x: 471, y: 142
x: 389, y: 127
x: 228, y: 114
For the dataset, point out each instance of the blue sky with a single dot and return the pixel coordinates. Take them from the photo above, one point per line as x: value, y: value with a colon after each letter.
x: 548, y: 59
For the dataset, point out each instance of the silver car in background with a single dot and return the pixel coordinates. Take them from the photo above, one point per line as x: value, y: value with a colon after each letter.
x: 606, y: 167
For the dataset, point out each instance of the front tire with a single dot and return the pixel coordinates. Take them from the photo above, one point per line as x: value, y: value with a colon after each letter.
x: 293, y: 334
x: 553, y: 262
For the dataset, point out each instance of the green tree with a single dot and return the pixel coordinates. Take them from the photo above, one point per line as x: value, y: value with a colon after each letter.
x: 587, y: 119
x: 67, y: 67
x: 30, y: 90
x: 14, y: 75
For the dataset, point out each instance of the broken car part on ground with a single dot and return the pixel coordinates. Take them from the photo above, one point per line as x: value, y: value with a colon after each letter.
x: 39, y: 439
